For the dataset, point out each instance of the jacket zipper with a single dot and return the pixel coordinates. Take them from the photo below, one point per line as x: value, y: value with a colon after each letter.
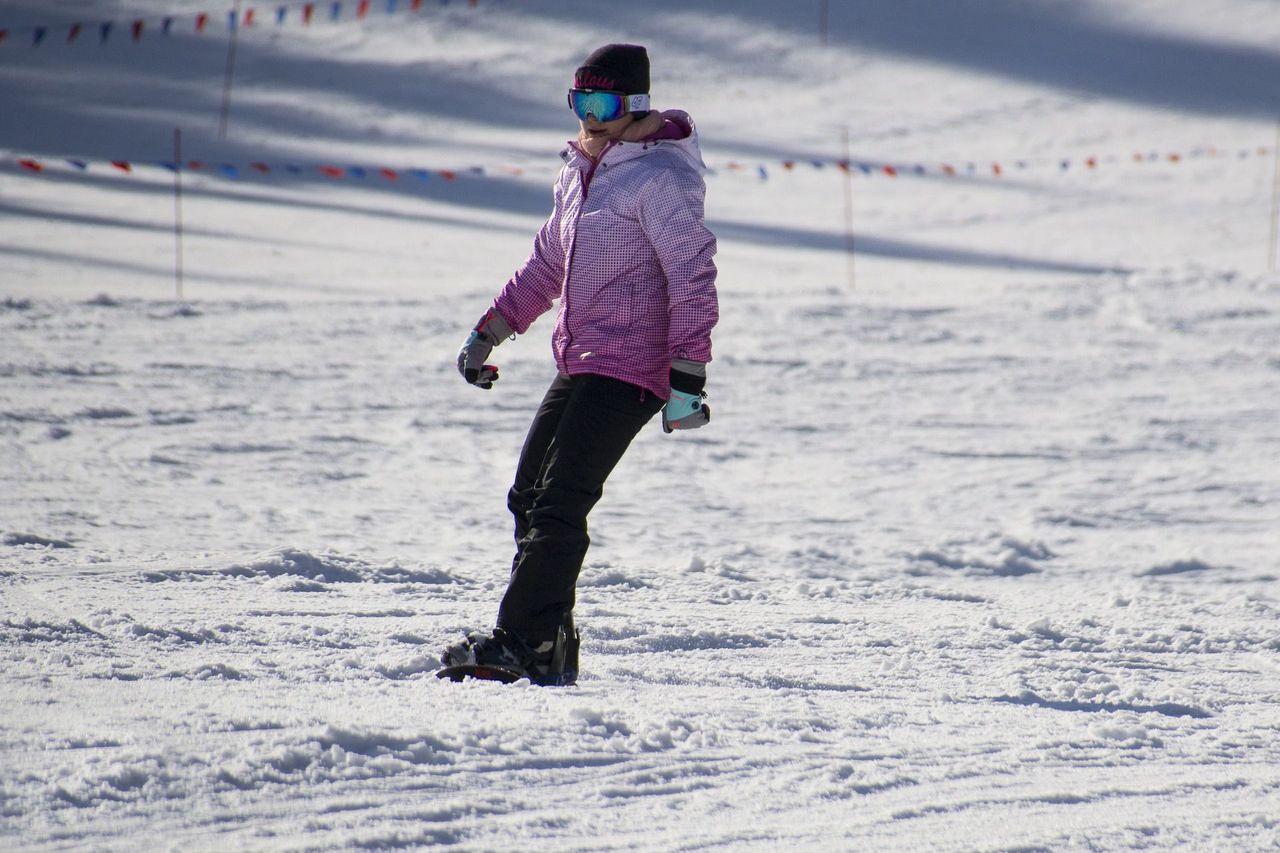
x: 585, y: 177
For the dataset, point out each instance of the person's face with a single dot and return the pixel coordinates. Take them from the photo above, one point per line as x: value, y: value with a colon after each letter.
x: 606, y: 129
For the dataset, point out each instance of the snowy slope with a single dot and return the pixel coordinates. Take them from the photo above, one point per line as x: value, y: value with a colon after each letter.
x: 978, y: 554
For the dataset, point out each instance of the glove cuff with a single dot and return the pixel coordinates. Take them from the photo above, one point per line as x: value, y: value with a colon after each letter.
x: 493, y: 328
x: 688, y: 376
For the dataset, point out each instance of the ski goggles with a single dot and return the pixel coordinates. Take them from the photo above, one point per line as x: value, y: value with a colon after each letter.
x: 605, y: 106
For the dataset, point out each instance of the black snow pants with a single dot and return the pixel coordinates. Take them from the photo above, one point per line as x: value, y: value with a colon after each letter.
x: 581, y: 430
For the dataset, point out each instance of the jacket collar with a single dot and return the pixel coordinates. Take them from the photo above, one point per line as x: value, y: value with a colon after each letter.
x: 617, y: 152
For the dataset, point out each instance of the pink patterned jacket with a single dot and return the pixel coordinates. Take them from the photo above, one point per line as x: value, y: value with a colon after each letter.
x: 627, y: 254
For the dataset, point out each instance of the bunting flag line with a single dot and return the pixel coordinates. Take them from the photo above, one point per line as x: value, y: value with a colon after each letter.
x: 43, y: 165
x: 303, y: 13
x: 995, y: 168
x: 761, y: 171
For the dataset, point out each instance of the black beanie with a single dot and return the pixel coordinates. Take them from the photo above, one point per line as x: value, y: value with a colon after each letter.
x: 616, y: 67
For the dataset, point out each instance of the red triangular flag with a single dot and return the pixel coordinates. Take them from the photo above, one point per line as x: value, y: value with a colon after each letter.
x: 201, y: 20
x: 31, y: 165
x: 122, y: 165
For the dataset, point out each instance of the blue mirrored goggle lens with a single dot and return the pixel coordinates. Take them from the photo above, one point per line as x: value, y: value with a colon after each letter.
x: 605, y: 106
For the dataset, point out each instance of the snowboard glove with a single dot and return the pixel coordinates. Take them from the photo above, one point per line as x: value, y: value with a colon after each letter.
x: 488, y: 333
x: 686, y: 409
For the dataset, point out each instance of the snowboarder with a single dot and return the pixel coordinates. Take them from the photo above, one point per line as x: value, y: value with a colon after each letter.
x: 626, y: 252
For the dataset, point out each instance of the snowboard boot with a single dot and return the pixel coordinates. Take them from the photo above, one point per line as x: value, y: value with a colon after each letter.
x: 505, y: 656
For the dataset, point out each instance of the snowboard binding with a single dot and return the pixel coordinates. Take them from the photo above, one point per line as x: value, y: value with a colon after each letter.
x: 494, y: 659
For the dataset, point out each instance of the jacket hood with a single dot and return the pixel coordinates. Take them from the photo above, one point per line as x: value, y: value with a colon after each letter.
x: 687, y: 145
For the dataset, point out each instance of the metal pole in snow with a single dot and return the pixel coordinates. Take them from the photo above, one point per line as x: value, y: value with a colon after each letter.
x: 1275, y: 207
x: 231, y: 70
x: 177, y: 210
x: 848, y: 206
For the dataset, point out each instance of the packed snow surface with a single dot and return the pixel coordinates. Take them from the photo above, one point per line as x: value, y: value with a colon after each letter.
x: 979, y: 552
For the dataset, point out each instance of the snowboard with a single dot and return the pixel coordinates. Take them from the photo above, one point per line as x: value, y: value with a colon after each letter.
x: 480, y: 673
x: 488, y: 672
